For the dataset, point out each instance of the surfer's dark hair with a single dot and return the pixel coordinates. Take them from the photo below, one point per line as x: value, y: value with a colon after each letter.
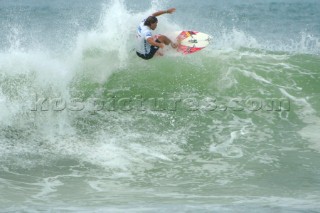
x: 150, y: 20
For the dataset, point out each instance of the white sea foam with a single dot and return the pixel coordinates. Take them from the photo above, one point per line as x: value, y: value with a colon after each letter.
x: 307, y: 114
x: 146, y: 156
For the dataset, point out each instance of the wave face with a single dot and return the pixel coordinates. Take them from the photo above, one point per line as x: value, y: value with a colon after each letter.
x: 85, y: 125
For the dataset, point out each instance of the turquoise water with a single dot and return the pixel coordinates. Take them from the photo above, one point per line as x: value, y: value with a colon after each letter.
x: 86, y: 126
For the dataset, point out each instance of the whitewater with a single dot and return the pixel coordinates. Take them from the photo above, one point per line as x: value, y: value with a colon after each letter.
x: 87, y: 126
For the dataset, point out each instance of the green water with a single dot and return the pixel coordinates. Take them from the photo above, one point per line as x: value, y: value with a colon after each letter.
x: 86, y: 126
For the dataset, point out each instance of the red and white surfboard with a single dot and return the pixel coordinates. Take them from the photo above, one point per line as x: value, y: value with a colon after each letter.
x: 192, y: 41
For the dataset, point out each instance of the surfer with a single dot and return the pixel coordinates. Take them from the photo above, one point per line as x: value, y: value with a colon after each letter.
x: 147, y: 44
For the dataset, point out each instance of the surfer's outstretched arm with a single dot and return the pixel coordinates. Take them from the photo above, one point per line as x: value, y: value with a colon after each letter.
x: 161, y: 12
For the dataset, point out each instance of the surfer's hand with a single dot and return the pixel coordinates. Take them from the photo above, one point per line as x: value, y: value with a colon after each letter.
x: 171, y: 10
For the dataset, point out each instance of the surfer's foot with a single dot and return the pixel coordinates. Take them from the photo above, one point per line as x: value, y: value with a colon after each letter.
x: 159, y: 53
x: 174, y: 45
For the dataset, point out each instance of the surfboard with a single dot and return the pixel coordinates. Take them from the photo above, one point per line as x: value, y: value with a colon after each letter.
x: 192, y: 41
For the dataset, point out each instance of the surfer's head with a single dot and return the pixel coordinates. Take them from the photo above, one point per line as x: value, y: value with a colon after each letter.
x: 151, y: 22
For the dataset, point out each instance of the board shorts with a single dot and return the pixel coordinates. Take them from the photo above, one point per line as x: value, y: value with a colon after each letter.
x: 153, y: 50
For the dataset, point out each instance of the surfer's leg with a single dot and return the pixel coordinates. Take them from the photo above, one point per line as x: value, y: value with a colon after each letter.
x: 165, y: 40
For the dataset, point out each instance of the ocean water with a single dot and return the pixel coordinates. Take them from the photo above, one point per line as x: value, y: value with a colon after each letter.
x: 86, y: 126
